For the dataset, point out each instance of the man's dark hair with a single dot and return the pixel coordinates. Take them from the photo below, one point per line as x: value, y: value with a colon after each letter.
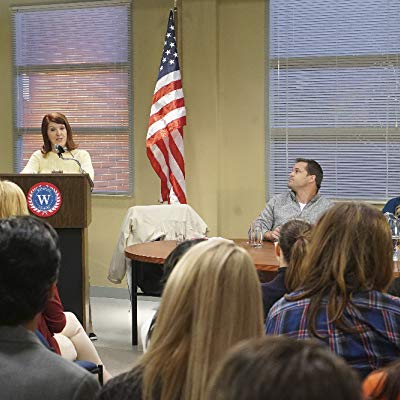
x: 313, y: 168
x: 29, y: 264
x: 281, y: 368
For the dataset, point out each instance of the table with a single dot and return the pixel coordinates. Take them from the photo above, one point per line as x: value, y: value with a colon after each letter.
x: 144, y: 224
x: 156, y: 252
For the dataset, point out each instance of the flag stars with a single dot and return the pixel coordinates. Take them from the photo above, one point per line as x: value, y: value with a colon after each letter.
x: 172, y: 27
x: 171, y: 62
x: 175, y: 54
x: 169, y: 35
x: 161, y: 68
x: 164, y: 59
x: 168, y: 52
x: 172, y: 45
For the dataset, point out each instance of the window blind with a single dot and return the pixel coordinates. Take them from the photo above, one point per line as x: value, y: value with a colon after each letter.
x: 334, y: 79
x: 76, y: 59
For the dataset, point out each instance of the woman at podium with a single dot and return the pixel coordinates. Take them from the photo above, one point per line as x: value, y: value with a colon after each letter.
x: 59, y: 152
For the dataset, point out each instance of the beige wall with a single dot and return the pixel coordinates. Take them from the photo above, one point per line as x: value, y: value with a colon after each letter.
x: 222, y: 60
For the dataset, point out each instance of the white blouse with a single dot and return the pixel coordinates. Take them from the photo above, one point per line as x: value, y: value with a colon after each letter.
x: 40, y: 163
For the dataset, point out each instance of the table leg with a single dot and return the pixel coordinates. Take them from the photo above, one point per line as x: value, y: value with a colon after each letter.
x: 134, y: 304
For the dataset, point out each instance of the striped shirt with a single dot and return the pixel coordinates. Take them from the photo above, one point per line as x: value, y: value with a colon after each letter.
x: 375, y: 344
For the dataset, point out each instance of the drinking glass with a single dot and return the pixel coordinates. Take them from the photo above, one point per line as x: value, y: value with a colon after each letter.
x: 394, y: 224
x: 255, y: 236
x: 180, y: 237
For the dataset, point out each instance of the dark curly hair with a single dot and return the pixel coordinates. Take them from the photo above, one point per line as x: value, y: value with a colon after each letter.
x: 29, y: 264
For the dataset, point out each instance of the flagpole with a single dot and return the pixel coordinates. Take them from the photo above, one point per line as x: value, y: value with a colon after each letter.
x: 175, y: 11
x: 177, y: 32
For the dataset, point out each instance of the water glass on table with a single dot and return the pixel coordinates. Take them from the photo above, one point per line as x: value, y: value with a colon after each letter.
x: 394, y: 224
x: 255, y: 236
x: 180, y: 237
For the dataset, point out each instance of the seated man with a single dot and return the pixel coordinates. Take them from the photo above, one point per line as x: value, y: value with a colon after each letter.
x: 302, y: 200
x: 29, y: 264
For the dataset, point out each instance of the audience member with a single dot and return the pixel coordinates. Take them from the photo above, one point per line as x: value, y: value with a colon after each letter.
x: 347, y: 268
x: 383, y: 384
x: 62, y: 330
x: 169, y: 264
x: 392, y: 206
x: 301, y: 201
x: 12, y: 200
x: 290, y: 251
x: 211, y: 301
x: 279, y: 368
x: 29, y: 264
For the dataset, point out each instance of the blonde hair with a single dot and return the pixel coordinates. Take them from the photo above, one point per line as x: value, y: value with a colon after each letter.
x: 211, y: 301
x: 12, y: 200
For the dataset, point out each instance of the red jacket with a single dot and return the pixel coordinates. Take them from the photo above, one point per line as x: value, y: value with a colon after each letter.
x: 52, y: 320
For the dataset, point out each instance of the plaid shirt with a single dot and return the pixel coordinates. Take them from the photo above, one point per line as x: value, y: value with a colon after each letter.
x: 376, y: 313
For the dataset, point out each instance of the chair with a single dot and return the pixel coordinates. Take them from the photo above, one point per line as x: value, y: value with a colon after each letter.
x: 147, y: 224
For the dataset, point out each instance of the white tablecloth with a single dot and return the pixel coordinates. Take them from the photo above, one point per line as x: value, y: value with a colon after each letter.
x: 149, y: 223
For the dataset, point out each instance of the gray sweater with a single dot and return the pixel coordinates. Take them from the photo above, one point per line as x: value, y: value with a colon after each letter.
x: 284, y: 207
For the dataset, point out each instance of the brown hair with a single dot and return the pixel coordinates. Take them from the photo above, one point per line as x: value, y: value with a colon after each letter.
x: 57, y: 118
x: 12, y: 200
x: 211, y: 301
x: 281, y: 368
x: 350, y: 250
x: 293, y: 240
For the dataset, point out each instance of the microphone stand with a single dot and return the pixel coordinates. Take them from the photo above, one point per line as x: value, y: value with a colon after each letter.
x: 60, y: 152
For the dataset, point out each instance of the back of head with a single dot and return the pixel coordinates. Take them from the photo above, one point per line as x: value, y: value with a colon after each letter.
x: 350, y: 251
x: 293, y: 240
x: 350, y: 248
x: 211, y: 301
x: 29, y: 263
x: 12, y: 200
x: 169, y: 265
x: 313, y: 168
x: 280, y: 368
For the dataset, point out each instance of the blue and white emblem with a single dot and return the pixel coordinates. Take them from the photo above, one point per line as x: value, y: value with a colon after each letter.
x: 44, y: 199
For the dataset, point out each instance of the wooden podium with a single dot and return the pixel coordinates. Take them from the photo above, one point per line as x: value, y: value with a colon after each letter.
x: 71, y: 222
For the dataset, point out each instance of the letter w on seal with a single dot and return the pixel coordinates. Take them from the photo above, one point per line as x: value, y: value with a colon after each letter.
x: 44, y: 198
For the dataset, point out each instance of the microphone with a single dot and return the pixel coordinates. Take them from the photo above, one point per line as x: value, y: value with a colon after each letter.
x: 59, y: 150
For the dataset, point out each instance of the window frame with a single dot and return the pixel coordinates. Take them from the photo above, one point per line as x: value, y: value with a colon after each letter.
x: 274, y: 169
x: 106, y: 130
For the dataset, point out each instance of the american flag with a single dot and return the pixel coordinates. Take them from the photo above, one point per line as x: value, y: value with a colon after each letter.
x: 167, y: 118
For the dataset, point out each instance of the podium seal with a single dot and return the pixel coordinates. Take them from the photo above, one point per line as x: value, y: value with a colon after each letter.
x: 44, y: 199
